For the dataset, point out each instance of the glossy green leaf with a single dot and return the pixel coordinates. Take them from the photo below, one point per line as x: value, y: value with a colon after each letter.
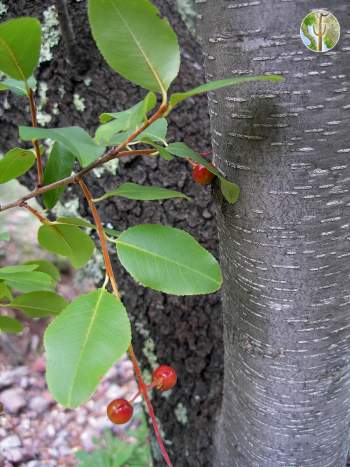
x: 135, y: 41
x: 169, y: 260
x: 229, y: 190
x: 142, y: 192
x: 178, y: 97
x: 5, y: 292
x: 82, y: 343
x: 20, y: 42
x: 15, y: 163
x: 83, y: 223
x: 39, y: 304
x: 47, y: 267
x: 27, y: 281
x: 17, y: 87
x: 126, y: 120
x: 67, y: 240
x: 76, y: 140
x: 157, y: 131
x: 11, y: 325
x: 59, y: 165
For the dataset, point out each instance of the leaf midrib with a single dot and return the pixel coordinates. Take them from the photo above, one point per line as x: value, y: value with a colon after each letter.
x: 13, y: 56
x: 164, y: 258
x: 92, y: 321
x: 149, y: 63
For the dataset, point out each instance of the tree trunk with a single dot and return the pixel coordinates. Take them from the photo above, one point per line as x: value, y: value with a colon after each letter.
x: 285, y: 245
x: 183, y: 332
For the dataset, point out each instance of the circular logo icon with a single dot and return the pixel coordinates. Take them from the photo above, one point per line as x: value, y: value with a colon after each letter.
x: 320, y: 31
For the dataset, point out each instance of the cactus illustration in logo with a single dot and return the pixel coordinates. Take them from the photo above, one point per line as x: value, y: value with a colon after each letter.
x: 320, y: 31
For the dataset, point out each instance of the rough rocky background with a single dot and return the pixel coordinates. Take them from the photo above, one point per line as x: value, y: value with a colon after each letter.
x: 184, y: 332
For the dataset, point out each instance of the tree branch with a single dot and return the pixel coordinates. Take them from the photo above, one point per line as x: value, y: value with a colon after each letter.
x: 113, y: 153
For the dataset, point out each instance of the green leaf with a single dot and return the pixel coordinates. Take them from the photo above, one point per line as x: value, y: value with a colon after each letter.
x: 5, y: 292
x: 4, y: 236
x: 82, y: 343
x: 136, y: 42
x: 183, y: 151
x: 83, y: 223
x: 18, y: 268
x: 169, y: 260
x: 126, y: 120
x: 67, y: 240
x: 78, y: 221
x: 47, y: 267
x: 15, y: 163
x: 229, y: 190
x: 178, y: 97
x: 163, y: 153
x: 133, y: 116
x: 27, y: 281
x: 142, y: 192
x: 39, y: 304
x: 76, y: 140
x: 11, y: 325
x: 157, y: 131
x: 20, y: 42
x: 17, y: 87
x: 59, y: 165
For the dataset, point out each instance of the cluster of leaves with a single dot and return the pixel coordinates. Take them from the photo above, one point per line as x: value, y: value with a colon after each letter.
x: 89, y: 334
x: 112, y: 452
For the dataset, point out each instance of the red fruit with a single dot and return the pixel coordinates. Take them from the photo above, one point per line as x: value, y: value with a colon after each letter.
x: 119, y: 411
x: 164, y: 378
x: 201, y: 174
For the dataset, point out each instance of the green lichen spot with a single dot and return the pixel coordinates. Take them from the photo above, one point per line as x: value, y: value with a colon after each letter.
x: 148, y: 351
x: 50, y: 27
x: 108, y: 168
x: 188, y: 13
x: 79, y: 102
x: 181, y: 414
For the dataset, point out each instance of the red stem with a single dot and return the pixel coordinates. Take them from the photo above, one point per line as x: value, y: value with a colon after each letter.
x: 144, y: 391
x: 110, y: 273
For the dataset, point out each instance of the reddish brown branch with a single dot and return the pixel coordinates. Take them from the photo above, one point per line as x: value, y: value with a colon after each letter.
x: 112, y: 154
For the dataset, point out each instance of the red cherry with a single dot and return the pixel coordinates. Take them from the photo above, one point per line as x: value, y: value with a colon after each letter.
x: 164, y: 378
x: 119, y: 411
x: 201, y: 174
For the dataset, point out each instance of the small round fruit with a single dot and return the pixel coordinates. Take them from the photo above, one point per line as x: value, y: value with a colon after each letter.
x: 164, y: 378
x: 201, y: 174
x: 119, y: 411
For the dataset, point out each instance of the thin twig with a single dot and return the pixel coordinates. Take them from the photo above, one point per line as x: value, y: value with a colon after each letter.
x: 112, y: 154
x: 35, y: 141
x: 109, y: 270
x: 36, y: 213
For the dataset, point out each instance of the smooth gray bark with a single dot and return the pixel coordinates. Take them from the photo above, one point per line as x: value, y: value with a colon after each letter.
x: 285, y: 247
